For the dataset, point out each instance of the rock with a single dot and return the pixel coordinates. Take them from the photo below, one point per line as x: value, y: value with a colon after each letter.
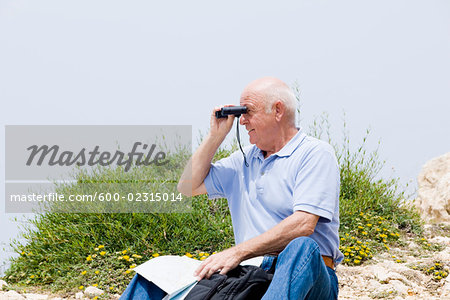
x: 444, y: 240
x: 384, y: 275
x: 79, y: 295
x: 433, y: 200
x: 3, y: 284
x: 445, y: 292
x: 36, y: 296
x: 399, y: 287
x: 115, y: 296
x: 443, y: 256
x: 13, y: 295
x: 93, y: 291
x: 373, y: 285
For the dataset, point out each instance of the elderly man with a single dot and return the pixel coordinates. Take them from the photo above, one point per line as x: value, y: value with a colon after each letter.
x: 284, y: 205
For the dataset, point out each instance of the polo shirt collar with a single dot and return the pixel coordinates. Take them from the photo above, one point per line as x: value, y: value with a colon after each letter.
x: 293, y: 143
x: 288, y: 149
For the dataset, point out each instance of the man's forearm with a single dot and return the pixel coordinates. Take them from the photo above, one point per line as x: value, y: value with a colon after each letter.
x: 274, y: 240
x: 198, y: 166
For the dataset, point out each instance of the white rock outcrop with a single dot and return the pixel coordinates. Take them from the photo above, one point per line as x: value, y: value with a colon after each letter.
x: 433, y: 199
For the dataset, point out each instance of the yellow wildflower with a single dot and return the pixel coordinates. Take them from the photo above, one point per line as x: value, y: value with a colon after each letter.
x: 83, y: 273
x: 95, y: 285
x: 32, y: 276
x: 102, y: 253
x: 126, y: 257
x: 136, y: 256
x: 155, y: 255
x: 101, y: 246
x: 97, y: 272
x: 124, y: 251
x: 81, y: 287
x: 188, y: 254
x: 89, y: 258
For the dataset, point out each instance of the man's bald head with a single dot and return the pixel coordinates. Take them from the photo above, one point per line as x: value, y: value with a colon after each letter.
x: 271, y: 90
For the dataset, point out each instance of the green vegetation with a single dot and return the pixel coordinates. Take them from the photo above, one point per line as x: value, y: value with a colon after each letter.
x: 68, y: 252
x: 373, y: 211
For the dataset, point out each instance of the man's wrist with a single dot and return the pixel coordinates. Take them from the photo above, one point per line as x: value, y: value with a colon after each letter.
x: 215, y: 139
x: 242, y: 252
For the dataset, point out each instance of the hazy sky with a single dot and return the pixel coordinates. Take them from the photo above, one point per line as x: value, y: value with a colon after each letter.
x: 385, y: 63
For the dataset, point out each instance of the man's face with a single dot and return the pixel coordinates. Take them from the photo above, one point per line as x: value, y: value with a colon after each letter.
x: 259, y: 124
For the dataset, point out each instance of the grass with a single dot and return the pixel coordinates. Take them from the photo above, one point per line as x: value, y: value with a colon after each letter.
x: 68, y: 252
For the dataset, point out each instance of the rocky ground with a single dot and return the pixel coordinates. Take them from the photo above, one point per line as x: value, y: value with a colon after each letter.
x: 401, y: 273
x: 398, y: 274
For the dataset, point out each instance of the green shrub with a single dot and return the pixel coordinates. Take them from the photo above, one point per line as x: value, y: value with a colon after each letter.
x: 372, y: 210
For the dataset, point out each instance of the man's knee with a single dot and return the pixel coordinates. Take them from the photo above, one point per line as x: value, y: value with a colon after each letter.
x: 303, y: 243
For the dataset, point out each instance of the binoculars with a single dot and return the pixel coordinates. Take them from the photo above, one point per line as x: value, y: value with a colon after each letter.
x: 237, y: 111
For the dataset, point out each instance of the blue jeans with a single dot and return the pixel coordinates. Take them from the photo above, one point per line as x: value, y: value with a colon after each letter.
x: 300, y: 273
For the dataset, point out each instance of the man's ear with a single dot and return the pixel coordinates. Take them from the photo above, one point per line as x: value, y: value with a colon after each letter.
x: 279, y: 110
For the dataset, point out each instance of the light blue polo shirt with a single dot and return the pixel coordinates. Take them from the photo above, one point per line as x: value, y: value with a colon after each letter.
x: 303, y: 175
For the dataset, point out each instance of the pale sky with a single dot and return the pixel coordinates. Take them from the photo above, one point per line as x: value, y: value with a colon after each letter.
x: 385, y: 63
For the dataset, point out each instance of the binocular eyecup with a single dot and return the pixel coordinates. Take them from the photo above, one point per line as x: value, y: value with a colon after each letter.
x: 231, y: 110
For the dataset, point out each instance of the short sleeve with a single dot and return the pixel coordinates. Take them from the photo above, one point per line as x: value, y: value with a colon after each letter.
x: 317, y: 183
x: 221, y: 176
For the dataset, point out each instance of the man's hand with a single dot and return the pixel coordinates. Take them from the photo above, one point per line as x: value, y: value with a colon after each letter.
x: 220, y: 126
x: 192, y: 180
x: 223, y: 261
